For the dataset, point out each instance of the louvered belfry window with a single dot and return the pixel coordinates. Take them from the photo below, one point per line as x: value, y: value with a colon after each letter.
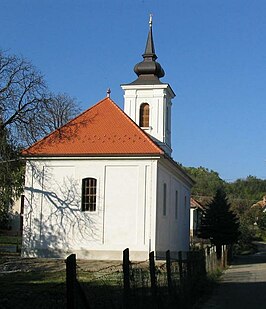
x: 144, y: 115
x: 89, y: 190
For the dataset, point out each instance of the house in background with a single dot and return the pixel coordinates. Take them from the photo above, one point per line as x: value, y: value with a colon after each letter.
x: 261, y: 204
x: 196, y: 212
x: 258, y: 208
x: 106, y: 180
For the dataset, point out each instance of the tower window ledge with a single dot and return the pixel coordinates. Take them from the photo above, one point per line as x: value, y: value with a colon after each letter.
x: 146, y: 128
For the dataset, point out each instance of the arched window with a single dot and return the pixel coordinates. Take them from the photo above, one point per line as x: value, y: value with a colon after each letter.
x: 144, y: 115
x: 89, y: 190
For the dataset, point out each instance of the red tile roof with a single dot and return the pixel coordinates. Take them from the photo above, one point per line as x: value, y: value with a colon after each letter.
x: 103, y: 129
x: 195, y: 204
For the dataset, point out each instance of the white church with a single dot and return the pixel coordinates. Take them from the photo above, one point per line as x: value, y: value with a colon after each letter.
x: 106, y: 180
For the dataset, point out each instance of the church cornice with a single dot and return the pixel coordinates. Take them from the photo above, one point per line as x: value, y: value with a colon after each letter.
x: 148, y: 87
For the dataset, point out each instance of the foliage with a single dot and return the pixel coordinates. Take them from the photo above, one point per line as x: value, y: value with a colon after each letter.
x: 246, y: 237
x: 242, y: 194
x: 250, y: 189
x: 207, y: 182
x: 219, y: 223
x: 261, y: 221
x: 11, y: 177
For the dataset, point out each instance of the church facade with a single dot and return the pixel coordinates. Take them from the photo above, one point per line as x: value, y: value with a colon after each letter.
x: 106, y: 180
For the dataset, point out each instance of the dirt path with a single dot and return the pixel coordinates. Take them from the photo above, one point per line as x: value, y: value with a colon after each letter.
x: 243, y: 285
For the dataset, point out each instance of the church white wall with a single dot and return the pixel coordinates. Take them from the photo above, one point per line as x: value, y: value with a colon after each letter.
x: 54, y: 224
x: 172, y: 227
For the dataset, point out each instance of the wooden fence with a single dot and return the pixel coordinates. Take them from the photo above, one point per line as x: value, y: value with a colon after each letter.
x: 147, y: 284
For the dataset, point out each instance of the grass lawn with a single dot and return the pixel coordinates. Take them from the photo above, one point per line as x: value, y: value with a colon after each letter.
x: 32, y: 290
x: 10, y: 240
x: 31, y: 284
x: 41, y: 283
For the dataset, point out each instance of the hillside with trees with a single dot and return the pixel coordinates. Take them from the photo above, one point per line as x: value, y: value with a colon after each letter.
x: 242, y: 194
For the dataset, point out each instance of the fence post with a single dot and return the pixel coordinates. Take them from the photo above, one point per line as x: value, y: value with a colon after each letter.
x: 203, y: 262
x: 71, y: 277
x: 126, y: 265
x: 180, y: 265
x: 168, y: 269
x: 152, y: 275
x: 189, y: 264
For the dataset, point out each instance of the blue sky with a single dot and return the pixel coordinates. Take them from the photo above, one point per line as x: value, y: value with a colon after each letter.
x: 213, y: 53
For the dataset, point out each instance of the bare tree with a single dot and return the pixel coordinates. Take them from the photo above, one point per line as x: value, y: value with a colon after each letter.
x: 27, y: 112
x: 54, y: 112
x: 22, y: 89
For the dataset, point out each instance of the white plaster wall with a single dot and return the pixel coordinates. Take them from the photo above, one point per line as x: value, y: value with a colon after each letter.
x: 54, y: 224
x: 172, y: 232
x: 193, y: 220
x: 158, y: 97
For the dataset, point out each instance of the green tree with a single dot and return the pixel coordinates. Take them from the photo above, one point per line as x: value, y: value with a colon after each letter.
x: 207, y: 183
x: 219, y: 223
x: 261, y: 221
x: 11, y: 176
x: 246, y: 191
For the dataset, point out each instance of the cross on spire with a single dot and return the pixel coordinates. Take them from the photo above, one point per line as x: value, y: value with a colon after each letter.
x: 150, y: 22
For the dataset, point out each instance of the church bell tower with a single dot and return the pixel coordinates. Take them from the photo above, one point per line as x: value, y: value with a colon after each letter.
x: 147, y: 101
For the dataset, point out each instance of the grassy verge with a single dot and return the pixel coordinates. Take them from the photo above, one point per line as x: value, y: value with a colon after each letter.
x: 10, y: 240
x: 32, y: 290
x: 21, y: 287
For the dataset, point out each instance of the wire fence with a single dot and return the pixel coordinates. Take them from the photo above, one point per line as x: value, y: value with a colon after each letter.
x: 146, y: 284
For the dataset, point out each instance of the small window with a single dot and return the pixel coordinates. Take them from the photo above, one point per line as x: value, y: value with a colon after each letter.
x: 89, y: 189
x: 164, y: 198
x: 144, y: 115
x: 176, y: 204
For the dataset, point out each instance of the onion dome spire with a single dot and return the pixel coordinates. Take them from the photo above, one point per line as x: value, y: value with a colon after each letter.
x: 149, y: 70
